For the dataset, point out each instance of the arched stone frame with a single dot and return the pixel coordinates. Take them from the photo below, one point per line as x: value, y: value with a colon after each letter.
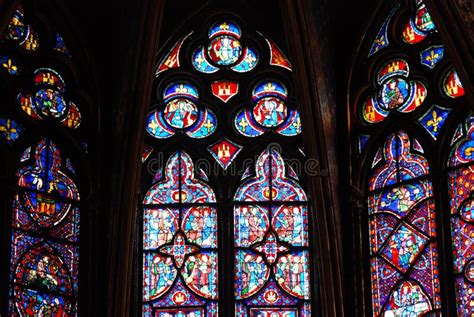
x: 308, y: 61
x: 445, y: 16
x: 79, y: 70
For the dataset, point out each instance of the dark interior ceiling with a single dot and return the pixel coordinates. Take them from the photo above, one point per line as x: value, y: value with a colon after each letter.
x: 107, y: 28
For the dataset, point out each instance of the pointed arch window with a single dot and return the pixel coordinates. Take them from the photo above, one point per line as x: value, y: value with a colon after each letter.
x: 413, y: 97
x: 43, y: 140
x: 402, y: 228
x: 225, y: 221
x: 461, y: 195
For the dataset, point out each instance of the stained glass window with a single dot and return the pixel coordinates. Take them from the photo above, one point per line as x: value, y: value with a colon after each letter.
x: 461, y: 193
x: 39, y: 114
x: 221, y: 238
x: 180, y: 241
x: 404, y: 119
x: 45, y: 232
x: 402, y: 230
x: 271, y: 241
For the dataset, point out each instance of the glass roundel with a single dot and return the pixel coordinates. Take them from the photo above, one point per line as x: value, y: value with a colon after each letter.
x: 224, y: 50
x: 180, y: 113
x: 394, y: 93
x: 270, y: 112
x: 50, y: 102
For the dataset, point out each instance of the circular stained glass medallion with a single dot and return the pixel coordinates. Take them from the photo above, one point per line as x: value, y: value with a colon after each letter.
x: 180, y: 113
x: 224, y: 50
x: 50, y: 102
x: 394, y: 93
x: 270, y: 112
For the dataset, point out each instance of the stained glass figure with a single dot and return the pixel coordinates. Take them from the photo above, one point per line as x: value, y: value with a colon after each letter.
x: 48, y: 99
x: 395, y: 92
x: 461, y: 186
x: 381, y: 40
x: 402, y: 230
x: 9, y: 64
x: 45, y: 233
x: 452, y: 85
x: 432, y: 56
x: 433, y: 120
x: 180, y: 243
x: 269, y: 112
x: 224, y: 50
x: 10, y: 130
x: 419, y: 26
x: 181, y: 113
x: 271, y: 241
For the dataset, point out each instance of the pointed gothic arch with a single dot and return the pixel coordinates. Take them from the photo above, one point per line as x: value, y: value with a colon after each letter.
x: 404, y: 79
x: 47, y: 118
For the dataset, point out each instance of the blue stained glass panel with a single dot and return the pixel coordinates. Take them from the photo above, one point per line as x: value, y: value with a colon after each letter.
x: 200, y: 62
x: 248, y: 62
x: 433, y: 120
x: 10, y: 64
x: 381, y: 40
x: 10, y: 130
x: 432, y: 56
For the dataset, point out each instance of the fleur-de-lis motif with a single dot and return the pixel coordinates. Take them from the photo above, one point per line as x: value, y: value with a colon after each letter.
x: 435, y: 121
x: 10, y: 66
x: 432, y: 57
x: 380, y: 40
x: 269, y: 87
x: 224, y: 26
